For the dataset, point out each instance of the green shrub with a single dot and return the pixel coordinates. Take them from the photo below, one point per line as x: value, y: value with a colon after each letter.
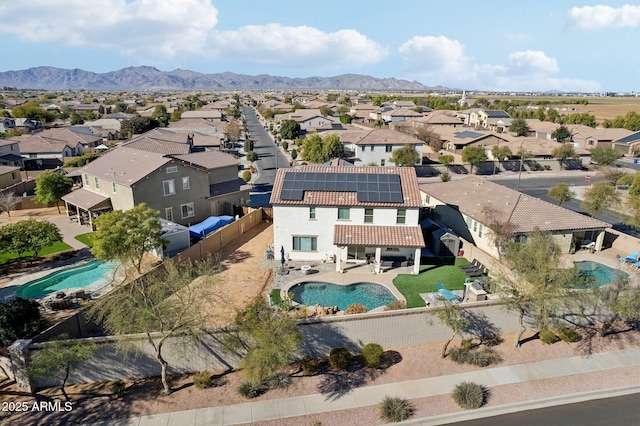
x: 547, y: 167
x: 118, y: 389
x: 373, y: 355
x: 202, y: 379
x: 469, y: 395
x: 340, y: 358
x: 394, y: 409
x: 547, y: 336
x: 466, y: 344
x: 355, y: 308
x: 278, y: 381
x: 395, y: 305
x: 294, y: 154
x: 250, y: 390
x: 285, y: 145
x: 246, y: 176
x: 568, y: 335
x: 478, y: 357
x: 309, y: 365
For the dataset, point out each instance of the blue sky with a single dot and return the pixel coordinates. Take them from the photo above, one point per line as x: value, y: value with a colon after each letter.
x: 485, y: 45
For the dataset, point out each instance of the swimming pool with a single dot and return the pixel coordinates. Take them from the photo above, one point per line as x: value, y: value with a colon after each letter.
x: 371, y: 295
x: 93, y: 274
x: 602, y: 274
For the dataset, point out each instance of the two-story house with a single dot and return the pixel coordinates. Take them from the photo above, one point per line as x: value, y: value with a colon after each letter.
x: 377, y: 146
x: 348, y: 214
x: 10, y: 153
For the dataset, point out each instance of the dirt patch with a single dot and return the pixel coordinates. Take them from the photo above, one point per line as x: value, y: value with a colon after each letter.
x: 94, y: 402
x: 38, y: 214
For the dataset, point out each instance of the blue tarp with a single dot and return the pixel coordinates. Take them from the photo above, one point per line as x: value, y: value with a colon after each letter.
x: 209, y: 225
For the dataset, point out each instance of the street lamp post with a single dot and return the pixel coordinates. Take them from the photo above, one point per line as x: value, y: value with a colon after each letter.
x: 521, y: 161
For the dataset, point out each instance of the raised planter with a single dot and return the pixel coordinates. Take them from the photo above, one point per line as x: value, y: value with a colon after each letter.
x: 305, y: 269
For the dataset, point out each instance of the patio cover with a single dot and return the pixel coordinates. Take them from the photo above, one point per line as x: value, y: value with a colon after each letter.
x: 84, y: 198
x: 209, y: 225
x: 379, y: 236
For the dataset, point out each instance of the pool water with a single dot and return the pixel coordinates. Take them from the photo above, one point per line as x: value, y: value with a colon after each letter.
x: 93, y: 274
x: 602, y: 274
x: 371, y: 295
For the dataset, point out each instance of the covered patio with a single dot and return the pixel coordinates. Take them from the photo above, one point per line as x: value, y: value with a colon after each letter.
x: 383, y: 247
x: 84, y: 206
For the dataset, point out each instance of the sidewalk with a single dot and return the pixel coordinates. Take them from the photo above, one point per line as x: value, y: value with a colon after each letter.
x: 371, y: 395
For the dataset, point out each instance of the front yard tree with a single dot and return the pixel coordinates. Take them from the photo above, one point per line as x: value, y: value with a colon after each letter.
x: 501, y: 153
x: 332, y: 146
x: 61, y: 356
x: 51, y: 187
x: 165, y: 303
x: 232, y: 130
x: 598, y: 197
x: 452, y: 317
x: 290, y: 129
x: 28, y: 236
x: 474, y: 155
x: 161, y: 115
x: 252, y: 156
x: 563, y: 153
x: 405, y: 156
x: 127, y: 236
x: 532, y: 289
x: 561, y: 192
x: 605, y: 156
x: 7, y: 202
x: 270, y: 341
x: 561, y: 134
x: 137, y: 125
x: 519, y: 127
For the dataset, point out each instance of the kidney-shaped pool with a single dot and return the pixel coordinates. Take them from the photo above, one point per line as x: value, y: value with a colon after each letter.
x: 371, y: 295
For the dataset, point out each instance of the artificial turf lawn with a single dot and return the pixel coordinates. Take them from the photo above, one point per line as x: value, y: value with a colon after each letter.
x: 432, y: 272
x: 85, y: 239
x: 56, y: 247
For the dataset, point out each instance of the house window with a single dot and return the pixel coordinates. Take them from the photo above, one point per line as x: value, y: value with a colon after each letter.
x: 312, y: 213
x: 13, y: 175
x: 113, y: 187
x: 401, y: 216
x: 427, y: 199
x: 468, y: 222
x: 187, y: 210
x: 388, y: 148
x: 382, y: 162
x: 185, y: 182
x: 392, y: 249
x: 169, y: 187
x: 371, y: 149
x: 95, y: 180
x: 480, y: 231
x: 86, y: 179
x: 475, y: 226
x: 172, y: 169
x: 344, y: 213
x: 368, y: 215
x: 305, y: 243
x: 168, y: 213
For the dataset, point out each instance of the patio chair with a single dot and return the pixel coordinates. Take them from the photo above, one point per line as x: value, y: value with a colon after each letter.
x: 473, y: 265
x: 632, y: 258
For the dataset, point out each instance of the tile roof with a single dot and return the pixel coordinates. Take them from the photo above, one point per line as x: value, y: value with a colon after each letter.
x: 158, y: 146
x: 472, y: 194
x: 376, y: 235
x: 36, y: 143
x: 125, y: 165
x: 388, y: 137
x: 209, y: 159
x: 408, y: 181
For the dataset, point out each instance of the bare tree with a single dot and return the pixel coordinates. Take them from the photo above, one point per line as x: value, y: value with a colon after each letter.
x: 452, y: 317
x: 7, y: 202
x: 502, y: 229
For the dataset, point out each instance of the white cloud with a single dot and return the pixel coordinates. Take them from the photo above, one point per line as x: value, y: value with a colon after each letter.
x: 601, y: 16
x: 164, y: 31
x: 441, y: 61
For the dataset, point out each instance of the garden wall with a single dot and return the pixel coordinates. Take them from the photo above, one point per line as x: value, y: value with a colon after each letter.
x: 5, y: 367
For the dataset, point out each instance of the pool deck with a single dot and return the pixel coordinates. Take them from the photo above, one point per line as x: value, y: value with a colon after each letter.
x: 351, y: 274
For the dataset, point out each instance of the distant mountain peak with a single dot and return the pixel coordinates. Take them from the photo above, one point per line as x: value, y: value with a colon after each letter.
x: 150, y: 78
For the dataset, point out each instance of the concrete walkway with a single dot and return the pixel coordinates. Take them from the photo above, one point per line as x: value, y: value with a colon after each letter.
x: 371, y: 395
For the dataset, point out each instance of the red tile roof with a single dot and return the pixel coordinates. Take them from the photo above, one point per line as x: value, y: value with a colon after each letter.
x: 408, y: 182
x: 376, y: 235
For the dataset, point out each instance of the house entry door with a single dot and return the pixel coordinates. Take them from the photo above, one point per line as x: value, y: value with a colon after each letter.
x: 356, y: 253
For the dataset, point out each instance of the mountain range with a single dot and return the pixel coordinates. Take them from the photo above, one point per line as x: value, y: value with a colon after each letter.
x: 151, y: 79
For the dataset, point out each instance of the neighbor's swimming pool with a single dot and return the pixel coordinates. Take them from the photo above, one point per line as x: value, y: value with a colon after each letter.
x: 92, y: 274
x: 603, y: 274
x: 371, y: 295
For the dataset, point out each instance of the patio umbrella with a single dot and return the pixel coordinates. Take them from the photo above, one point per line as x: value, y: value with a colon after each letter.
x: 282, y: 260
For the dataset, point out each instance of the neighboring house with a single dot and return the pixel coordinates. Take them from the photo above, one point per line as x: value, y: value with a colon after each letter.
x: 460, y: 205
x: 10, y: 153
x: 350, y: 214
x: 307, y: 118
x: 211, y: 115
x: 28, y: 125
x: 81, y: 134
x: 403, y: 104
x: 377, y: 146
x: 486, y: 118
x: 361, y: 111
x: 628, y: 145
x: 399, y: 114
x: 435, y: 119
x: 183, y: 188
x: 37, y: 146
x: 455, y: 140
x: 111, y: 124
x: 9, y: 175
x: 588, y: 137
x: 7, y: 124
